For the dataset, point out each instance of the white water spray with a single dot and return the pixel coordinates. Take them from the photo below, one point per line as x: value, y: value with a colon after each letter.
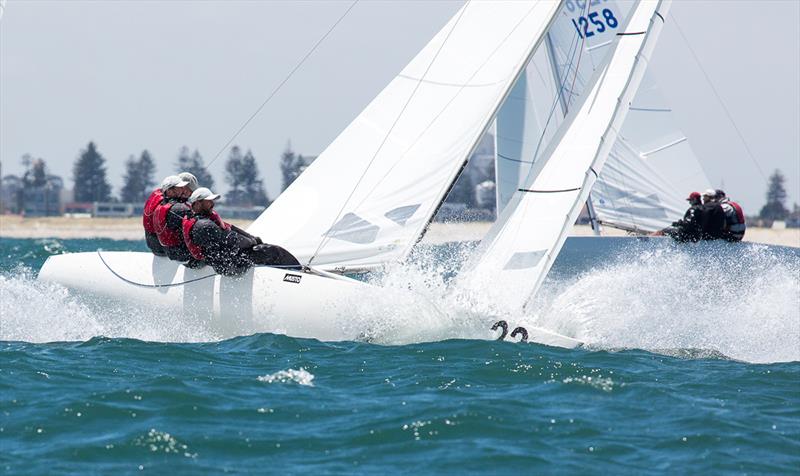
x: 739, y: 301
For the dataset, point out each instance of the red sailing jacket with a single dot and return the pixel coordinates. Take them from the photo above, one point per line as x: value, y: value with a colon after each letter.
x: 166, y: 236
x: 149, y: 210
x: 188, y: 224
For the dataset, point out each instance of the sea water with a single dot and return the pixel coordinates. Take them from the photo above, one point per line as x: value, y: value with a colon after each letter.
x: 691, y: 365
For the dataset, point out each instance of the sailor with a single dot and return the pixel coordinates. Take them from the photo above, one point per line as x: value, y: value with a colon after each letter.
x: 734, y: 218
x: 228, y: 249
x: 712, y: 216
x: 189, y: 177
x: 689, y: 228
x: 153, y: 201
x: 168, y: 217
x: 150, y: 236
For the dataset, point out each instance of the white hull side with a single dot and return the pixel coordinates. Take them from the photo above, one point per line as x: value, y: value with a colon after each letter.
x: 262, y: 300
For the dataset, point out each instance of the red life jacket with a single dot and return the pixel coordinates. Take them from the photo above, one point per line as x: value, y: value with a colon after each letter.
x: 739, y: 211
x: 149, y: 210
x: 188, y: 224
x: 166, y: 236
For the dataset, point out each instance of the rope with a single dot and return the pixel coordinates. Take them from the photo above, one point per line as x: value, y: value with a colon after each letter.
x: 285, y: 80
x: 141, y: 285
x: 171, y: 285
x: 548, y: 191
x: 719, y: 98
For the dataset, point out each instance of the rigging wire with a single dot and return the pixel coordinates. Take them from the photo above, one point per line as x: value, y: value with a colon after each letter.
x: 282, y: 83
x: 719, y: 98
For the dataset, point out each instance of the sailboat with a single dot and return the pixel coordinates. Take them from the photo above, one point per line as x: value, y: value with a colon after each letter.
x: 651, y: 167
x: 370, y: 196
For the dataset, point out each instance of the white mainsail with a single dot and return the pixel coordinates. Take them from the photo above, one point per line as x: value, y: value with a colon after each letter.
x: 369, y: 196
x: 651, y: 168
x: 525, y: 123
x: 520, y: 248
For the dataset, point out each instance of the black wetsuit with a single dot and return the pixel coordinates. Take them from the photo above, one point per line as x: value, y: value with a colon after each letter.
x: 152, y: 242
x: 232, y: 252
x: 712, y: 221
x: 689, y: 228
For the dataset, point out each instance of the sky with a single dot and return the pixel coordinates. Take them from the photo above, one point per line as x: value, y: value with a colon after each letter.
x: 158, y: 75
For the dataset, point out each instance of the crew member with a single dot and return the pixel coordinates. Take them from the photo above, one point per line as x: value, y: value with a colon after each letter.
x: 712, y: 217
x: 734, y: 218
x: 168, y: 218
x: 228, y: 249
x: 689, y: 228
x: 150, y: 236
x: 191, y: 179
x: 153, y: 201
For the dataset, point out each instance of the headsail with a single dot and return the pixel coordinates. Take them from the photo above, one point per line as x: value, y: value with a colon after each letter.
x: 650, y: 169
x: 371, y: 193
x: 520, y: 248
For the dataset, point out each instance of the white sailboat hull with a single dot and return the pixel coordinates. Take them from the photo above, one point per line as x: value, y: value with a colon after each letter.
x: 265, y: 299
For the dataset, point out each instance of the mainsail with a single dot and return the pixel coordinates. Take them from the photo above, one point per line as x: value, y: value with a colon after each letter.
x: 520, y: 248
x: 651, y: 167
x: 369, y: 196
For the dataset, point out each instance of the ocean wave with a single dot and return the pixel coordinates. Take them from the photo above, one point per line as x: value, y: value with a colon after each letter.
x: 299, y: 376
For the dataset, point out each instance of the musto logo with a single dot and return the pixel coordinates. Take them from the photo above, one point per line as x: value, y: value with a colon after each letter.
x: 292, y: 278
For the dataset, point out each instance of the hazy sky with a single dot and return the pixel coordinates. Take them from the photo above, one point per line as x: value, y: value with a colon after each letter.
x: 131, y: 75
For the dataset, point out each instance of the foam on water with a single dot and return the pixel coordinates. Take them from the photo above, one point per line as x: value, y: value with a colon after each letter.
x: 299, y: 376
x: 706, y: 300
x: 35, y: 311
x: 741, y: 302
x: 702, y: 300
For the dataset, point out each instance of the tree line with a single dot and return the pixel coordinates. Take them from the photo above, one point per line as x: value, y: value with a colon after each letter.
x: 90, y: 176
x: 243, y: 176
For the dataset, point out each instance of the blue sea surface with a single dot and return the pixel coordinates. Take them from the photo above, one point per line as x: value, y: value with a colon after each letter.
x: 665, y: 384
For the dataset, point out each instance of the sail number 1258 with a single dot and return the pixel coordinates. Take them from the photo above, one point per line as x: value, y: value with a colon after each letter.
x: 595, y: 23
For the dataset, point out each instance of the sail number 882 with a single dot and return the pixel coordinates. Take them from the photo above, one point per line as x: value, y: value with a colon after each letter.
x: 597, y: 22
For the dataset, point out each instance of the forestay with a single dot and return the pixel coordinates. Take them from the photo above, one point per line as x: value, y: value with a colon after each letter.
x: 521, y: 246
x: 369, y: 196
x: 651, y: 167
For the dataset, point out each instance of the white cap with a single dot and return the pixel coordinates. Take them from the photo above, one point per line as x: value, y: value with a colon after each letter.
x: 191, y: 179
x: 710, y: 192
x: 172, y: 181
x: 202, y: 193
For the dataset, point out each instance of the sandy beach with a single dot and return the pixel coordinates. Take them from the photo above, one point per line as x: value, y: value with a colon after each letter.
x: 14, y: 226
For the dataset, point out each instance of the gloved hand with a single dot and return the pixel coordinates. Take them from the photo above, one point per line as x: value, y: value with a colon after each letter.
x: 258, y: 240
x: 194, y: 264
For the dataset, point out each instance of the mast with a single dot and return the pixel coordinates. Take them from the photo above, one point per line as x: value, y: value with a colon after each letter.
x: 564, y: 110
x: 551, y: 53
x: 496, y: 184
x: 596, y: 228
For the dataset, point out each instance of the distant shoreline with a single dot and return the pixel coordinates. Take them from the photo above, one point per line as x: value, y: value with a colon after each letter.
x: 14, y: 226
